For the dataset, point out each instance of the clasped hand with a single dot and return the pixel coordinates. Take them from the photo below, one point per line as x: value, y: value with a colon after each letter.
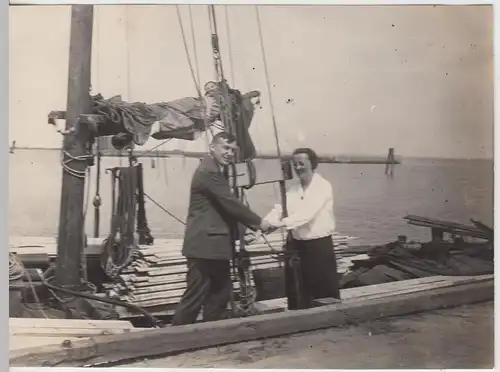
x: 267, y: 225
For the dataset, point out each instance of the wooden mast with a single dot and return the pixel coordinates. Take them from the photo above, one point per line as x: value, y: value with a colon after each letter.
x: 75, y: 146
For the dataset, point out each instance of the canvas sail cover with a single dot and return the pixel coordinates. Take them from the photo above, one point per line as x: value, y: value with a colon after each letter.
x: 136, y: 121
x: 184, y: 118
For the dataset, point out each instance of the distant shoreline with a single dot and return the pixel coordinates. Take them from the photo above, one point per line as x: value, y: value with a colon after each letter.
x: 322, y: 158
x: 351, y: 159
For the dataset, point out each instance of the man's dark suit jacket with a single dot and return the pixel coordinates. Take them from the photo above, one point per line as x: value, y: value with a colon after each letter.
x: 213, y: 214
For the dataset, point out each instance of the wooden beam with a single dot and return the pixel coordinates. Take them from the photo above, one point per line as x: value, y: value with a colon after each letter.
x: 159, y: 342
x: 70, y: 238
x: 67, y: 323
x: 335, y: 159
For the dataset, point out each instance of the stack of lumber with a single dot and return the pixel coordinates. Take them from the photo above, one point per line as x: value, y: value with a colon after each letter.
x: 400, y: 260
x: 27, y: 333
x: 479, y: 231
x: 157, y: 277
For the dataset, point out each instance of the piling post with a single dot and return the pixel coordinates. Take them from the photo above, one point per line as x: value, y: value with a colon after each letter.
x: 389, y: 165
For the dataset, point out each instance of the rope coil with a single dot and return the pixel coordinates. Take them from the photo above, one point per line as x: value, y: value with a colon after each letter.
x: 70, y: 158
x: 118, y: 253
x: 16, y: 267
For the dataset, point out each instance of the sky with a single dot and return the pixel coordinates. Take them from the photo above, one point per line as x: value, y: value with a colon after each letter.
x: 344, y: 79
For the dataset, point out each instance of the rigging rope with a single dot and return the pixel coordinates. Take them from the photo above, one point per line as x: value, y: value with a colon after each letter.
x: 118, y: 253
x: 153, y: 148
x: 127, y: 41
x: 83, y: 259
x: 194, y: 49
x: 71, y: 158
x: 97, y: 202
x: 18, y: 271
x: 207, y: 140
x: 16, y: 268
x: 241, y: 258
x: 271, y: 105
x: 266, y: 71
x: 230, y: 50
x: 198, y: 90
x: 97, y: 39
x: 219, y: 70
x: 195, y: 80
x: 164, y: 209
x: 290, y: 255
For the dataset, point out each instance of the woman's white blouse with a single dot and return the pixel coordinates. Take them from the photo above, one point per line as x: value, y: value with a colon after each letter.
x: 310, y: 212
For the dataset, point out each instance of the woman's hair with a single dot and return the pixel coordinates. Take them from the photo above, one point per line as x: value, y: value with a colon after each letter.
x: 313, y: 158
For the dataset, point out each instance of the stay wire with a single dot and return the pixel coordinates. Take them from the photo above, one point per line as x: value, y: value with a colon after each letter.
x: 268, y: 82
x: 179, y: 18
x: 266, y: 71
x: 196, y: 79
x: 164, y: 209
x: 195, y: 52
x: 230, y: 49
x: 153, y: 148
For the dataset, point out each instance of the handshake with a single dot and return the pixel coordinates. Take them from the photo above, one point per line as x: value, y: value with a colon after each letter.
x: 273, y: 221
x: 268, y: 226
x: 265, y: 227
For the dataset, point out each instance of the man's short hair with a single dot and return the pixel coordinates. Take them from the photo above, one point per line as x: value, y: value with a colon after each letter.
x: 313, y: 158
x: 226, y: 136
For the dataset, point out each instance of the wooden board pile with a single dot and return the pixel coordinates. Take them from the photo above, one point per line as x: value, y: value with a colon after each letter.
x: 454, y: 249
x: 439, y: 227
x: 156, y: 279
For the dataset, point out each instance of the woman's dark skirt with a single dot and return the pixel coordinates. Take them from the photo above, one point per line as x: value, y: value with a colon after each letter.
x: 318, y: 276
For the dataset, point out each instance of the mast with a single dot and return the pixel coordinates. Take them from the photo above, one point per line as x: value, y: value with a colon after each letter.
x: 76, y: 154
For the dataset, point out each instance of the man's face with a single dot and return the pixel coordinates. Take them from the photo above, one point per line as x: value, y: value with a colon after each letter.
x: 223, y: 152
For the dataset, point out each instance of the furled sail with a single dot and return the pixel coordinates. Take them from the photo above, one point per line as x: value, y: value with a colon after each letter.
x: 185, y: 118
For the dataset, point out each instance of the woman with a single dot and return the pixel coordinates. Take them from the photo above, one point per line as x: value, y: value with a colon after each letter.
x: 311, y: 224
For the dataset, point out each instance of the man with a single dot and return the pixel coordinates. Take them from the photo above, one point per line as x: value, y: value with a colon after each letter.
x: 214, y: 212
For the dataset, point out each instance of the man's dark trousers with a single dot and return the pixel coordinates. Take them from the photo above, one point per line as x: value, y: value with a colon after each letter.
x: 208, y: 286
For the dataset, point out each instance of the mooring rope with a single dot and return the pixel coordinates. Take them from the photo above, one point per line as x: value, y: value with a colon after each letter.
x: 18, y: 271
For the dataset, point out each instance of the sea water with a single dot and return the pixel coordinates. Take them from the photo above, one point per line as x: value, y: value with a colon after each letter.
x: 368, y: 204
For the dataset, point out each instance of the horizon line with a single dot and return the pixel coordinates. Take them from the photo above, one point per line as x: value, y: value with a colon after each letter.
x: 267, y: 154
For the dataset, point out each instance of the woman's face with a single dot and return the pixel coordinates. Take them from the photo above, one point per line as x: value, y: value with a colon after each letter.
x: 302, y: 165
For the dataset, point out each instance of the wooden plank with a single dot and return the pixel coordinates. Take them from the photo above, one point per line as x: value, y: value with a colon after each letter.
x: 66, y: 332
x: 112, y: 349
x: 159, y: 310
x: 392, y: 288
x: 19, y: 342
x: 68, y: 323
x: 446, y: 226
x: 443, y: 224
x: 388, y: 287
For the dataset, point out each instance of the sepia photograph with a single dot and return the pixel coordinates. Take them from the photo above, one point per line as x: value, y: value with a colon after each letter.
x: 251, y: 186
